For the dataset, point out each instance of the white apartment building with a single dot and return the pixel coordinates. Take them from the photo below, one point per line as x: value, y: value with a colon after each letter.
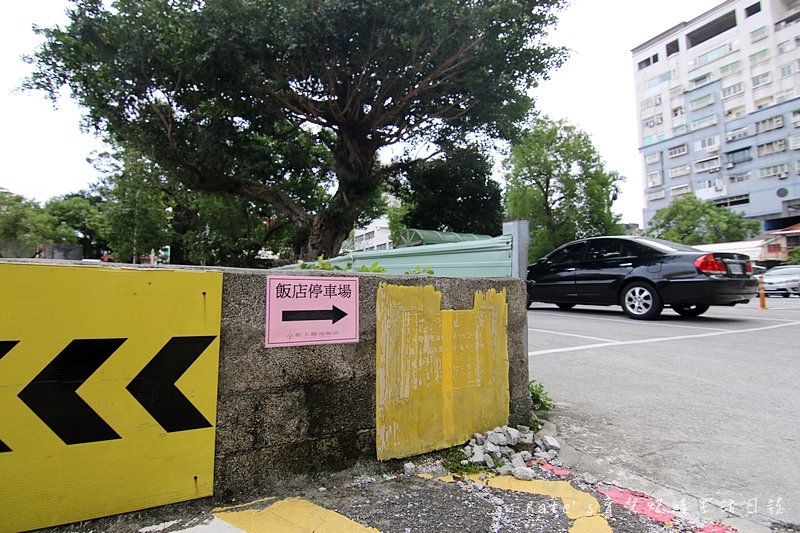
x: 718, y: 104
x: 375, y: 236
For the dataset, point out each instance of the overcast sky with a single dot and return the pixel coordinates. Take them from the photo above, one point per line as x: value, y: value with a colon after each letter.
x: 45, y: 153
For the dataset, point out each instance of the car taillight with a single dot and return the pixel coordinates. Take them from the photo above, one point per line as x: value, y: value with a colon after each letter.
x: 707, y: 264
x: 748, y: 267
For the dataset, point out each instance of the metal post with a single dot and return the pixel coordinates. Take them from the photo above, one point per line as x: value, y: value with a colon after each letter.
x: 762, y: 296
x: 521, y: 239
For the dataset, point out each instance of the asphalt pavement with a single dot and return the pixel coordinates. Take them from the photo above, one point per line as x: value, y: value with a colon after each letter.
x: 703, y: 411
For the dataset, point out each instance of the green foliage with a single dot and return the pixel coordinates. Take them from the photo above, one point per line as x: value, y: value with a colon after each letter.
x: 23, y: 222
x: 452, y: 193
x: 541, y: 400
x: 419, y: 271
x: 689, y: 220
x: 286, y: 102
x: 559, y: 183
x: 78, y: 219
x: 451, y: 460
x: 323, y: 264
x: 396, y: 225
x: 70, y: 219
x: 793, y: 256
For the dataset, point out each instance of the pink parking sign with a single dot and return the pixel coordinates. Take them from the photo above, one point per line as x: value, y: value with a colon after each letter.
x: 304, y: 310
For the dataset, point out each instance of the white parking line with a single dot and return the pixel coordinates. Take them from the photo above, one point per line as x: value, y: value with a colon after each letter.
x: 660, y: 339
x: 639, y: 322
x: 571, y: 335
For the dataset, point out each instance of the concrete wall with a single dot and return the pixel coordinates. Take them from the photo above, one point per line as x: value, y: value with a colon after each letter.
x: 285, y: 411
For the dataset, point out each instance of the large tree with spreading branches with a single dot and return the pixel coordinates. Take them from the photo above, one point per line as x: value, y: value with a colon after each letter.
x: 205, y: 88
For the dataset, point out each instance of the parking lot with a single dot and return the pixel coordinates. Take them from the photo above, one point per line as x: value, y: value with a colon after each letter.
x: 708, y: 406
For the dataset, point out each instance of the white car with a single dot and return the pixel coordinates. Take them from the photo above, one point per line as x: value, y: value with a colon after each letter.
x: 782, y: 280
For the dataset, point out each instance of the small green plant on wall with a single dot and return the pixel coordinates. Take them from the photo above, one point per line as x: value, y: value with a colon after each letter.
x: 541, y: 400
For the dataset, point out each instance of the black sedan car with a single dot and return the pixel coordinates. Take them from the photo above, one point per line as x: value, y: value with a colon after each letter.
x: 642, y: 275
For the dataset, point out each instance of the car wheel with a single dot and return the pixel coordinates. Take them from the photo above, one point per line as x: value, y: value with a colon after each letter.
x: 641, y: 301
x: 565, y: 307
x: 689, y: 310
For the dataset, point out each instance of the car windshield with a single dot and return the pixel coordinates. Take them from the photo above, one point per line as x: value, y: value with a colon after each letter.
x: 783, y: 271
x: 666, y: 246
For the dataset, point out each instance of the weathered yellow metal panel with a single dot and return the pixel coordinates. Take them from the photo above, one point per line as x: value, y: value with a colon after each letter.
x: 108, y: 390
x: 441, y: 375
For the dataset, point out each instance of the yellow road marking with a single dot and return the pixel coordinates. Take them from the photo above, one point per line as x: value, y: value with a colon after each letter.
x: 581, y: 507
x: 292, y: 515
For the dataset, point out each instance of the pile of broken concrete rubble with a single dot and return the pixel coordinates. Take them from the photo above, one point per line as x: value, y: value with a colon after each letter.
x: 494, y: 449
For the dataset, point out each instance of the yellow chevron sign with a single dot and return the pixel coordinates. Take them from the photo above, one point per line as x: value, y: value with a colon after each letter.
x: 108, y: 382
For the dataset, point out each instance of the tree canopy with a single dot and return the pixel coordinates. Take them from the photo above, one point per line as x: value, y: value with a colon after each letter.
x: 558, y: 181
x: 452, y: 193
x: 689, y: 220
x: 250, y: 97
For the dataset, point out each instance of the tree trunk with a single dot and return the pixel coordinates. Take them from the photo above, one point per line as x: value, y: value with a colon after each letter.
x: 354, y: 157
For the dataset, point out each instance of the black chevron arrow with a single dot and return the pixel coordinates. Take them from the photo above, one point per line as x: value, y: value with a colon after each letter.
x: 6, y: 346
x: 334, y: 314
x: 52, y: 394
x: 154, y: 387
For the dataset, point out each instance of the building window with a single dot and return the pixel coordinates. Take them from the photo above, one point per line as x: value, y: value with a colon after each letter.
x: 735, y: 112
x: 784, y: 47
x: 796, y: 118
x: 655, y: 157
x: 677, y: 172
x: 739, y: 177
x: 653, y: 120
x: 707, y: 165
x: 711, y: 29
x: 781, y: 171
x: 658, y: 195
x: 658, y: 80
x: 758, y: 34
x: 730, y: 68
x: 673, y: 48
x: 740, y: 199
x: 761, y: 103
x: 704, y: 122
x: 703, y: 101
x: 794, y: 142
x: 761, y: 79
x: 771, y: 147
x: 713, y: 55
x: 652, y: 139
x: 677, y: 111
x: 709, y: 144
x: 654, y: 179
x: 737, y: 156
x: 648, y: 61
x: 758, y: 57
x: 786, y: 70
x: 679, y: 130
x: 783, y: 96
x: 651, y: 102
x: 675, y: 151
x: 733, y: 135
x: 769, y: 124
x: 751, y: 10
x: 700, y: 80
x: 680, y: 190
x: 733, y: 90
